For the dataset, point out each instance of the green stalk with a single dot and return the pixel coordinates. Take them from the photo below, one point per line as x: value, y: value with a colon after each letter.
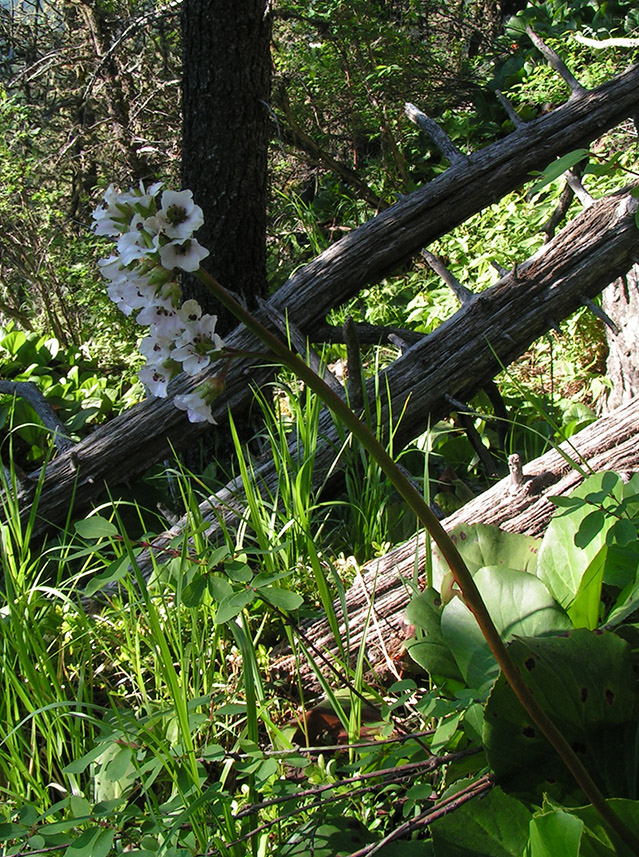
x: 460, y: 572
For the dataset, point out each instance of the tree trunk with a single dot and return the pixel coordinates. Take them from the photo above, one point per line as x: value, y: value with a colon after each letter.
x: 125, y: 447
x: 226, y: 83
x: 609, y: 444
x: 620, y: 302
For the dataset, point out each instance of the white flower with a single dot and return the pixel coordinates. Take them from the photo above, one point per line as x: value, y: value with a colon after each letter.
x: 185, y: 255
x: 197, y: 409
x: 155, y: 349
x: 162, y: 317
x: 155, y: 380
x: 198, y: 343
x: 135, y: 243
x: 141, y: 198
x: 110, y: 219
x: 111, y: 269
x: 113, y: 217
x: 179, y: 217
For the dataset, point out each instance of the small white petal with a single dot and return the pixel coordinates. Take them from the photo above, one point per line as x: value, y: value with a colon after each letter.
x: 197, y: 410
x: 185, y: 255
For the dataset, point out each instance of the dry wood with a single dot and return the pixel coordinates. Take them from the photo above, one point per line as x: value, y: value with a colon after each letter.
x: 467, y: 351
x: 609, y: 444
x: 128, y: 445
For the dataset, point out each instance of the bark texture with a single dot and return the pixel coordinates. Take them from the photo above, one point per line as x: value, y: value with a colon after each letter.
x: 620, y: 302
x: 612, y: 443
x: 225, y: 132
x: 125, y: 447
x: 464, y: 353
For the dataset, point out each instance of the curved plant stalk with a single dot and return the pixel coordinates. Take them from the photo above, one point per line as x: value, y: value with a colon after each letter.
x: 460, y: 572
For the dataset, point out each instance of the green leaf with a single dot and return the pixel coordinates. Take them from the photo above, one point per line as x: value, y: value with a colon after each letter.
x: 233, y: 605
x: 585, y: 682
x: 584, y: 610
x: 217, y: 556
x: 113, y: 572
x: 9, y: 830
x: 483, y: 545
x: 428, y: 648
x: 219, y: 587
x: 562, y: 563
x: 590, y: 528
x: 553, y: 833
x: 625, y: 606
x: 557, y: 168
x: 80, y: 765
x: 95, y: 842
x: 327, y: 838
x: 238, y: 571
x: 518, y: 603
x: 193, y: 592
x: 95, y: 527
x: 116, y: 769
x: 623, y: 533
x: 284, y: 599
x: 566, y: 502
x: 495, y: 826
x: 79, y: 806
x: 598, y: 840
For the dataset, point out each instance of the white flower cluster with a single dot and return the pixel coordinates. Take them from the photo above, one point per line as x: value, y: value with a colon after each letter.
x: 154, y: 230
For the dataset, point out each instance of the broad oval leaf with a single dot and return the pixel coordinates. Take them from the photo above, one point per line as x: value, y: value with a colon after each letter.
x: 519, y: 605
x: 282, y: 598
x: 233, y: 605
x: 95, y: 527
x: 585, y: 682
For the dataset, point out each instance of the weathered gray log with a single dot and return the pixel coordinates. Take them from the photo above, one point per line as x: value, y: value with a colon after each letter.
x: 611, y: 443
x: 128, y: 445
x: 620, y: 302
x: 489, y: 331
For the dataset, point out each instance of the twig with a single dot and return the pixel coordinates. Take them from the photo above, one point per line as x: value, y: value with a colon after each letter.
x: 443, y: 142
x: 391, y: 776
x: 606, y: 43
x: 548, y: 228
x: 447, y: 805
x: 575, y: 184
x: 600, y: 313
x: 514, y: 117
x: 355, y: 380
x: 465, y: 417
x: 28, y: 391
x: 463, y: 294
x: 367, y: 334
x: 553, y: 58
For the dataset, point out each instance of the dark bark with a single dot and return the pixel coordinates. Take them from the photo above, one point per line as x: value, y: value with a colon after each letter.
x: 127, y: 446
x: 609, y: 444
x: 226, y: 127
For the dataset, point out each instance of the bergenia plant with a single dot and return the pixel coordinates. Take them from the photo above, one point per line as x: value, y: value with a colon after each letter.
x: 154, y: 241
x: 153, y: 231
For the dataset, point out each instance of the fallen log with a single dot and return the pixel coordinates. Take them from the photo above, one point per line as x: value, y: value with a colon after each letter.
x: 488, y: 332
x: 124, y: 448
x: 611, y: 443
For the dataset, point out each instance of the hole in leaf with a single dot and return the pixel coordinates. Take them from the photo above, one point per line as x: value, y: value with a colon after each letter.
x: 583, y: 694
x: 610, y: 696
x: 529, y: 663
x: 528, y: 732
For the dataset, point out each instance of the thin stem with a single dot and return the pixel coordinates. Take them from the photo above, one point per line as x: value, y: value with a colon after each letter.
x: 460, y: 572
